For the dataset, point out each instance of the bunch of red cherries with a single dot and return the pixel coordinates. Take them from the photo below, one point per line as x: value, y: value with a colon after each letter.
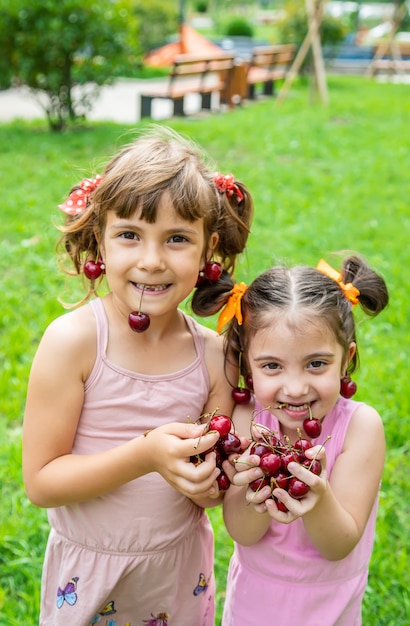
x: 276, y: 454
x: 227, y: 444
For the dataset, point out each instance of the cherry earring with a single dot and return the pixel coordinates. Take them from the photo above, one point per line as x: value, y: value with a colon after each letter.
x: 94, y: 269
x: 347, y: 387
x: 241, y: 393
x: 212, y: 272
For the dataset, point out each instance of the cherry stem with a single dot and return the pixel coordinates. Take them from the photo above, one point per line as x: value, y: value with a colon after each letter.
x: 142, y: 293
x: 238, y: 462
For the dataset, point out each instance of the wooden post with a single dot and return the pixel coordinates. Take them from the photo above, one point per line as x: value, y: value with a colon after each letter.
x: 314, y: 11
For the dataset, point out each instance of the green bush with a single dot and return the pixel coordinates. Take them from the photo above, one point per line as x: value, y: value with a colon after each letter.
x: 238, y: 27
x: 201, y: 6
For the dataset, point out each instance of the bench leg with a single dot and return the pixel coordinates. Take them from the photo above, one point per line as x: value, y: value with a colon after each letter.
x: 268, y: 88
x: 251, y: 92
x: 206, y: 101
x: 179, y: 106
x: 146, y: 102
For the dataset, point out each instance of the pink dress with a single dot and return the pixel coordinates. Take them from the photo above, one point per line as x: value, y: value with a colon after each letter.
x: 283, y: 580
x: 142, y: 554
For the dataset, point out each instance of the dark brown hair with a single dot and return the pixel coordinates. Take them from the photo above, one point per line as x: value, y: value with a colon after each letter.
x: 303, y: 292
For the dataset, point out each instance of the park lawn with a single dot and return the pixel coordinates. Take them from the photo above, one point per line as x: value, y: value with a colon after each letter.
x: 324, y: 178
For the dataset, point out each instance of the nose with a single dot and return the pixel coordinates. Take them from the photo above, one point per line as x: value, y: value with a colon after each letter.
x: 295, y: 386
x: 150, y: 258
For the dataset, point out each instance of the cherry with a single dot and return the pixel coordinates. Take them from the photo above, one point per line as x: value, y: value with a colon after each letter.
x: 347, y: 387
x: 249, y: 381
x: 312, y: 427
x: 137, y: 321
x: 230, y: 444
x: 282, y: 480
x: 241, y: 395
x: 288, y: 458
x: 270, y: 463
x: 259, y: 448
x: 302, y: 445
x: 281, y: 507
x: 223, y: 482
x: 221, y: 423
x: 297, y: 488
x: 259, y: 483
x: 313, y: 465
x: 213, y: 271
x: 93, y: 270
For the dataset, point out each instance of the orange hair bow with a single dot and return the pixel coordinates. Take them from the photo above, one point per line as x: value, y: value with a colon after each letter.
x: 350, y: 291
x: 233, y: 307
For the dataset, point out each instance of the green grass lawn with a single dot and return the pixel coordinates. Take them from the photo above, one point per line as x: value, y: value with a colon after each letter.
x: 323, y: 179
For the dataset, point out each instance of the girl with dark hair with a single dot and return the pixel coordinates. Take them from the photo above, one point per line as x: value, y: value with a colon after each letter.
x: 303, y: 529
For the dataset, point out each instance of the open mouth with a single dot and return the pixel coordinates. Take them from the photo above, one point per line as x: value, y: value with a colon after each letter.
x: 151, y: 288
x: 296, y: 410
x: 296, y: 407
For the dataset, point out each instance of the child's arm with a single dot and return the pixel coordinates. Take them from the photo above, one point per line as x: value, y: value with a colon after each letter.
x: 219, y: 399
x: 53, y: 475
x: 339, y: 509
x: 245, y: 520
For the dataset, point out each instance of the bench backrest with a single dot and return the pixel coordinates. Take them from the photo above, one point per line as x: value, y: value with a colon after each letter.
x: 201, y: 67
x: 403, y: 47
x: 269, y: 57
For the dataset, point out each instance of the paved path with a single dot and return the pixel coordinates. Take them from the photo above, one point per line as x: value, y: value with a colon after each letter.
x: 118, y: 103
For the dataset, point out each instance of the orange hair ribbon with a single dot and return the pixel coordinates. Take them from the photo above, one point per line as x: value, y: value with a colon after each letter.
x: 233, y: 307
x: 350, y: 291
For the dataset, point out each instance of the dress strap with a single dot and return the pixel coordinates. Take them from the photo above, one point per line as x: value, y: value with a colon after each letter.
x: 102, y: 326
x: 197, y: 335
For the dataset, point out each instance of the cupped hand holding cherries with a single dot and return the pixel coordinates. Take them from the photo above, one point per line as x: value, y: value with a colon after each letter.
x: 228, y: 443
x: 275, y: 454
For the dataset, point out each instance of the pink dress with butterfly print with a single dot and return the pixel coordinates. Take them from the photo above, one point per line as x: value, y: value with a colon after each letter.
x: 142, y: 554
x: 282, y: 579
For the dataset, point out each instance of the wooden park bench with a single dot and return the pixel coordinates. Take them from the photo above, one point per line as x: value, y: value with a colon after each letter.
x: 190, y: 74
x: 390, y: 58
x: 268, y: 64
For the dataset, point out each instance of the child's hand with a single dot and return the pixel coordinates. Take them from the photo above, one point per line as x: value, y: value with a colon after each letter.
x: 317, y: 487
x: 170, y: 449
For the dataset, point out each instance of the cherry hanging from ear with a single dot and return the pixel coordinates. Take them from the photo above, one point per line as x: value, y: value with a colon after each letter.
x: 138, y: 321
x: 93, y: 270
x: 347, y: 387
x: 241, y: 393
x: 213, y: 271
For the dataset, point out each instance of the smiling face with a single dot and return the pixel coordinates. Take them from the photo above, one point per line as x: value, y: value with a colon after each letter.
x: 161, y: 259
x: 296, y: 370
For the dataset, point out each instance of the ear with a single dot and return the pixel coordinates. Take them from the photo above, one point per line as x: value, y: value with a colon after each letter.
x: 212, y: 243
x: 350, y: 354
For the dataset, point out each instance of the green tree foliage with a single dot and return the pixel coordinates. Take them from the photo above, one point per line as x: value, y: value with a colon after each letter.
x: 158, y: 19
x: 63, y: 51
x: 293, y: 27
